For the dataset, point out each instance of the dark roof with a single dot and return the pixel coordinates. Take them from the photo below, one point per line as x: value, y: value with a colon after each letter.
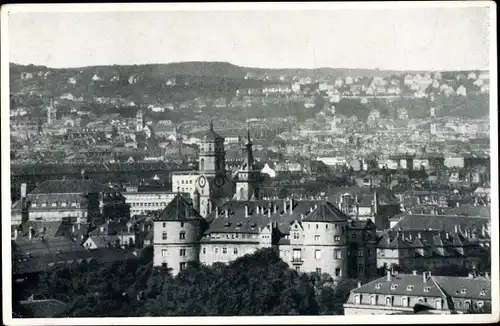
x: 475, y: 287
x: 271, y: 212
x: 177, y: 210
x: 439, y: 222
x: 211, y: 135
x: 69, y: 186
x: 326, y: 212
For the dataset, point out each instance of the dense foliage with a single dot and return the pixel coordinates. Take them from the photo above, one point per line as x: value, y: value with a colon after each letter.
x: 257, y: 284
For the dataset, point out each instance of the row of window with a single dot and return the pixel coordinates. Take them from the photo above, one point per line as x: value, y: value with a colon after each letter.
x: 405, y: 301
x: 182, y: 252
x: 224, y: 250
x: 148, y: 204
x: 182, y: 235
x: 233, y: 236
x: 55, y: 205
x: 187, y: 181
x: 165, y: 224
x: 297, y: 254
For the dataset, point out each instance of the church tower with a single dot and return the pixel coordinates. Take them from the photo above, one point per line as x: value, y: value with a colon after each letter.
x: 139, y: 121
x: 212, y: 184
x: 248, y: 176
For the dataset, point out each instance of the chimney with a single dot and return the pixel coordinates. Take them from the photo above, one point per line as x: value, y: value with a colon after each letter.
x: 424, y: 276
x: 471, y: 275
x: 73, y: 228
x: 458, y: 204
x: 129, y: 228
x: 257, y: 209
x: 15, y: 233
x: 301, y: 216
x: 375, y: 202
x: 78, y: 224
x: 388, y: 275
x: 359, y: 284
x: 483, y: 230
x: 291, y: 206
x: 284, y: 206
x: 447, y: 236
x: 414, y: 272
x: 419, y: 235
x: 23, y: 191
x: 269, y: 211
x: 246, y: 210
x: 487, y: 275
x: 410, y: 236
x: 143, y: 227
x: 275, y: 209
x: 226, y: 212
x: 30, y: 233
x: 456, y: 228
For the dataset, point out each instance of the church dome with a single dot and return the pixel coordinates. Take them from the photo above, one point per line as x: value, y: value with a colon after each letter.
x: 211, y: 135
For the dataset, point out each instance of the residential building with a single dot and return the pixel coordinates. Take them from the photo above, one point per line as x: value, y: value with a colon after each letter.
x: 398, y: 293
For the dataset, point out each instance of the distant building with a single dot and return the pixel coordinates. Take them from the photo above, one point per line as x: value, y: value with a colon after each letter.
x: 399, y: 293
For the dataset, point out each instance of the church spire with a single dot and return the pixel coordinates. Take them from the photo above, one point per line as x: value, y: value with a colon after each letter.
x: 249, y: 141
x: 211, y: 125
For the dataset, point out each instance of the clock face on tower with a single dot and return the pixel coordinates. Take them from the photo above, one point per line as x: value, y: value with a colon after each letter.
x: 202, y: 181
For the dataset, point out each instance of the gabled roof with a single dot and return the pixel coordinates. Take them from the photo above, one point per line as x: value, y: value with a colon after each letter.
x: 211, y: 135
x: 326, y: 212
x: 178, y: 209
x: 440, y: 222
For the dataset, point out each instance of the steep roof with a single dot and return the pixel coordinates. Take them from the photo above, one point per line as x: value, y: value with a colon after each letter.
x: 326, y: 212
x: 178, y: 209
x: 440, y: 222
x: 211, y: 135
x: 475, y: 287
x: 399, y: 285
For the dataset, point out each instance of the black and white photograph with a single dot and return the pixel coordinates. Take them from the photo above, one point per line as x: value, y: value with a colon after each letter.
x: 249, y: 163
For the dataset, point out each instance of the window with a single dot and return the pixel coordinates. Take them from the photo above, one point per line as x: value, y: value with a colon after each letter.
x: 297, y: 268
x: 182, y: 224
x: 404, y: 301
x: 317, y: 226
x: 316, y: 238
x: 297, y: 255
x: 464, y: 291
x: 467, y: 305
x: 427, y: 289
x: 336, y: 238
x: 394, y: 286
x: 337, y: 253
x: 361, y: 268
x: 369, y: 252
x: 164, y: 265
x: 338, y: 272
x: 482, y: 293
x: 216, y: 250
x: 421, y: 300
x: 204, y: 250
x: 373, y: 299
x: 164, y: 252
x: 164, y: 235
x: 326, y: 226
x: 409, y: 288
x: 317, y: 254
x: 388, y: 301
x: 378, y: 286
x: 360, y: 253
x: 235, y: 251
x: 202, y: 164
x: 224, y: 250
x: 439, y: 304
x: 296, y: 236
x: 182, y: 235
x: 480, y: 304
x: 318, y: 270
x: 182, y: 252
x: 354, y: 235
x: 182, y: 266
x: 357, y: 299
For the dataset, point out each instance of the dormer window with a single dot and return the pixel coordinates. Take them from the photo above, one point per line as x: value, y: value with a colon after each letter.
x: 378, y: 286
x: 464, y: 291
x: 409, y: 288
x: 394, y: 286
x: 33, y: 205
x: 482, y: 293
x: 427, y: 289
x: 54, y: 204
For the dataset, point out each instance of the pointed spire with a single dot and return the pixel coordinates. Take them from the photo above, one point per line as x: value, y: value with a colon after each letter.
x: 211, y: 125
x: 249, y: 141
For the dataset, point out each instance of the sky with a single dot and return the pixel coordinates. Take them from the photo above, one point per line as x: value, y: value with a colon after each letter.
x: 401, y: 39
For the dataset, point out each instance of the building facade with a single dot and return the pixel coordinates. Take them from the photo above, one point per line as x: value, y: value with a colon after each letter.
x: 398, y: 293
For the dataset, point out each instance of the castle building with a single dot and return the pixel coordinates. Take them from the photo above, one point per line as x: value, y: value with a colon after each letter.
x: 310, y: 235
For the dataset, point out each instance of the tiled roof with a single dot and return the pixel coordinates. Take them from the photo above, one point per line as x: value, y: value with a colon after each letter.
x: 177, y: 210
x: 440, y: 222
x: 69, y: 186
x: 103, y: 241
x: 475, y: 287
x: 270, y: 211
x: 402, y: 284
x: 50, y: 245
x: 211, y: 135
x: 110, y: 228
